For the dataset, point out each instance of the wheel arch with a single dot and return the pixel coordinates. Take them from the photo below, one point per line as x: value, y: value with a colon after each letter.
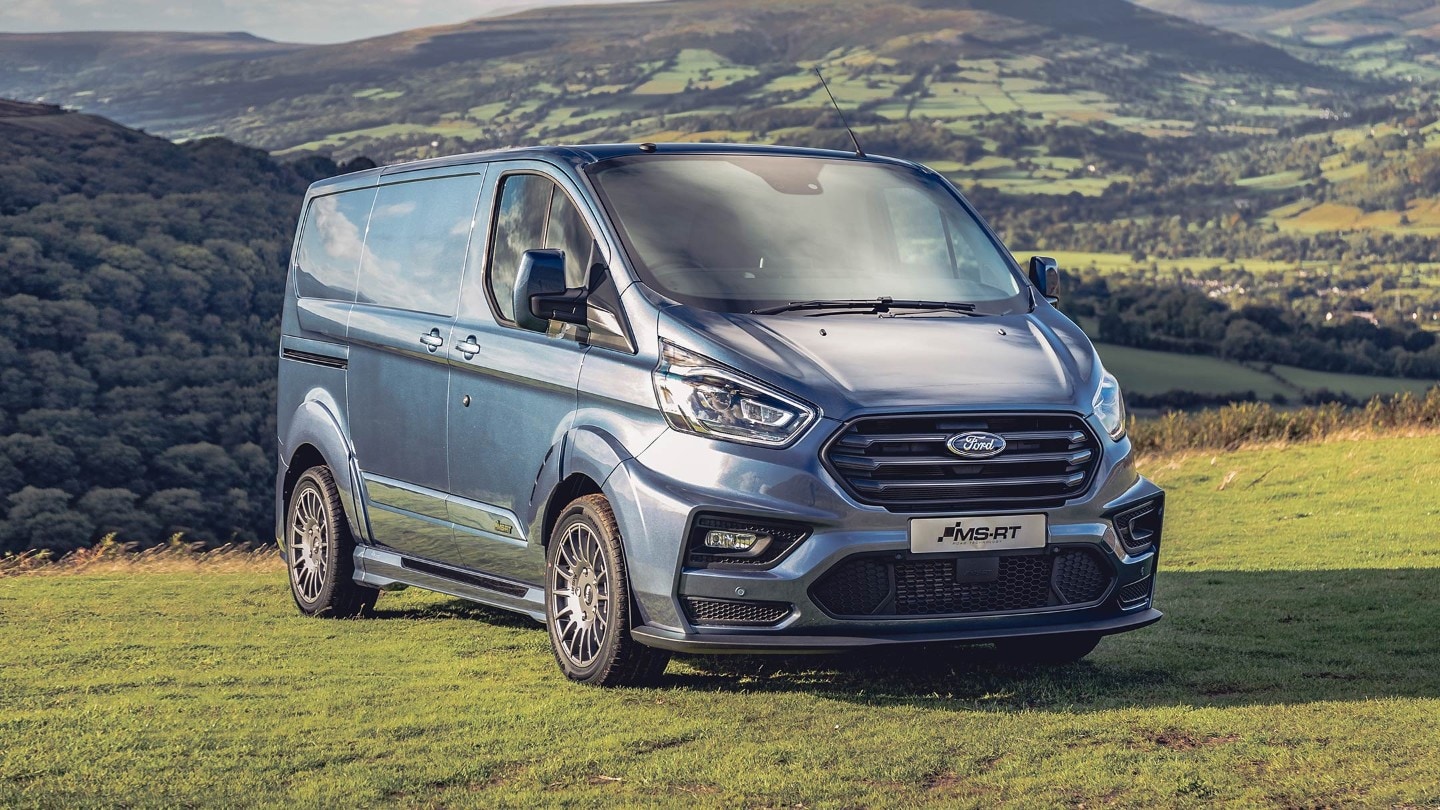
x: 317, y: 437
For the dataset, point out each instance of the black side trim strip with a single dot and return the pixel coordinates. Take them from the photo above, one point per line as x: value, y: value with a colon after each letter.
x: 478, y: 580
x: 315, y: 359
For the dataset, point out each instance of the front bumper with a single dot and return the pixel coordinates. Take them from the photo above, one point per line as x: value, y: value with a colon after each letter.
x: 753, y: 643
x: 658, y: 494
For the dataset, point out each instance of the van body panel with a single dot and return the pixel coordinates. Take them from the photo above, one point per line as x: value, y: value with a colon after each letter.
x: 397, y: 399
x: 511, y: 404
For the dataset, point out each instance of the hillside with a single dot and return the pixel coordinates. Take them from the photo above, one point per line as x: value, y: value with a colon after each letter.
x: 139, y: 302
x: 1296, y: 667
x: 605, y: 72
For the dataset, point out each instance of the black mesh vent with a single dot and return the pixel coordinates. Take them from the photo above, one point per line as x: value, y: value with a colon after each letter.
x: 855, y: 587
x: 1079, y: 578
x: 730, y: 613
x: 1135, y: 592
x: 925, y: 588
x: 903, y: 464
x: 910, y: 586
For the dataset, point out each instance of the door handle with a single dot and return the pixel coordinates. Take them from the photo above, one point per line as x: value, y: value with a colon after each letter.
x: 468, y: 347
x: 432, y: 340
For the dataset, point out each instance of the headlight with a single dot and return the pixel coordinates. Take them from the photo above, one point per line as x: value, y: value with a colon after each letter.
x: 701, y: 396
x: 1109, y: 405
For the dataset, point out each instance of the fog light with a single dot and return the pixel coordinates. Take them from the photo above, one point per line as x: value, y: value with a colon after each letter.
x: 731, y: 541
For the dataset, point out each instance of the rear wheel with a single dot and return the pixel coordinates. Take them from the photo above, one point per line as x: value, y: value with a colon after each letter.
x: 320, y: 551
x: 1064, y: 649
x: 588, y: 609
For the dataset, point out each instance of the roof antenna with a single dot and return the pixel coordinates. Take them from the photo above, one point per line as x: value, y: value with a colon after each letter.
x: 858, y: 151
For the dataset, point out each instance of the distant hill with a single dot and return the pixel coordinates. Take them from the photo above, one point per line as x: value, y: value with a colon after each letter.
x: 1320, y: 23
x: 639, y: 69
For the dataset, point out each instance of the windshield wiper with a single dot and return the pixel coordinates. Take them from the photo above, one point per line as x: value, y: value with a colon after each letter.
x: 875, y: 306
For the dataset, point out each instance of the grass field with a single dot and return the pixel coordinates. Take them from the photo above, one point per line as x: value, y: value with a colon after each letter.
x: 1150, y: 372
x: 1298, y: 666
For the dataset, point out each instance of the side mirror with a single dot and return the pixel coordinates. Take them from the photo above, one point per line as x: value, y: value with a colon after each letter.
x: 1045, y: 275
x: 541, y: 295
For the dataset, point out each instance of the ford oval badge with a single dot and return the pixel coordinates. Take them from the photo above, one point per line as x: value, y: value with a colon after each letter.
x: 976, y: 445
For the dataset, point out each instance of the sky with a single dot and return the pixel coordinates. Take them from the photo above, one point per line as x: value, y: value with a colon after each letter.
x: 282, y: 20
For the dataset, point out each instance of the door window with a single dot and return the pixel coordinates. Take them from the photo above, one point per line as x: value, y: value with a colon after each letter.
x: 415, y: 251
x: 535, y: 213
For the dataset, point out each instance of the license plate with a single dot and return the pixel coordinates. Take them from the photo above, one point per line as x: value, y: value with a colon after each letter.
x: 977, y: 533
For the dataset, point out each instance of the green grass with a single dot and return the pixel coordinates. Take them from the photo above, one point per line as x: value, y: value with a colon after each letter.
x: 1297, y: 666
x: 1150, y: 372
x: 1355, y: 385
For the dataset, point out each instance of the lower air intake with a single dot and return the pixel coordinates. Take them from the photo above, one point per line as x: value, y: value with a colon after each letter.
x: 906, y: 585
x: 728, y: 613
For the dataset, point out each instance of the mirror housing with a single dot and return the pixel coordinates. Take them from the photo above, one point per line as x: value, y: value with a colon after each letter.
x: 540, y: 294
x: 1045, y: 275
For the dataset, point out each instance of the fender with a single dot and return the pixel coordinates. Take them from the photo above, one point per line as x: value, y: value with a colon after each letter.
x: 580, y: 451
x: 314, y: 423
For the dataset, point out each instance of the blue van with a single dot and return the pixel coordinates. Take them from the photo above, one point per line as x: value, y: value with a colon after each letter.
x: 703, y: 399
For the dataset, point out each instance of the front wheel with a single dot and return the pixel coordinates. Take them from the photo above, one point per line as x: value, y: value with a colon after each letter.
x: 320, y: 550
x: 1065, y: 649
x: 587, y: 601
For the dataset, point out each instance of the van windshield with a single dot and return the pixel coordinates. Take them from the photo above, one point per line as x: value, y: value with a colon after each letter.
x: 737, y: 233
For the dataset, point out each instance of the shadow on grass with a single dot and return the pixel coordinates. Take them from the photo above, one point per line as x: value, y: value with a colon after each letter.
x: 454, y: 609
x: 1228, y: 638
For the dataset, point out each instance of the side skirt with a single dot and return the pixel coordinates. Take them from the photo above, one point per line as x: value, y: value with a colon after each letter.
x: 385, y: 569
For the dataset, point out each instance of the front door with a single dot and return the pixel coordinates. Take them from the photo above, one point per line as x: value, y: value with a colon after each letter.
x: 399, y: 376
x: 512, y: 392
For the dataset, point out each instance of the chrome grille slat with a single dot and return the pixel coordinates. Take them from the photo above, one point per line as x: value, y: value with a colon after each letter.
x: 865, y: 440
x: 902, y: 462
x: 881, y: 486
x: 864, y: 463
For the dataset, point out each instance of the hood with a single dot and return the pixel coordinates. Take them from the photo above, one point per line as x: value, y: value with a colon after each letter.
x: 853, y: 362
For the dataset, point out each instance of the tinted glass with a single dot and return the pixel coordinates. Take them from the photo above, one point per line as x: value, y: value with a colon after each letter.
x: 519, y: 226
x: 331, y: 243
x: 415, y: 251
x: 741, y: 232
x: 567, y: 231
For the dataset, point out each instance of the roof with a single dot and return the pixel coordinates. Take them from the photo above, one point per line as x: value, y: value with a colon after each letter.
x: 582, y: 155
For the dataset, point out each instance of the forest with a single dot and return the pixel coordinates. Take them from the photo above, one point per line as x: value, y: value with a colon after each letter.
x: 139, y: 306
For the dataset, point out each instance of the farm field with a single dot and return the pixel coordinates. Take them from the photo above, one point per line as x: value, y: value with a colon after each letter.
x: 1297, y: 666
x: 1144, y: 371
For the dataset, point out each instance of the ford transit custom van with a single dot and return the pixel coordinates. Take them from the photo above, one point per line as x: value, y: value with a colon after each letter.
x: 700, y: 398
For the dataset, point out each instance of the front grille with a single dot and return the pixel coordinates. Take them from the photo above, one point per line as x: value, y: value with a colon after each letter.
x: 903, y: 464
x: 730, y: 613
x: 904, y: 585
x: 1135, y: 592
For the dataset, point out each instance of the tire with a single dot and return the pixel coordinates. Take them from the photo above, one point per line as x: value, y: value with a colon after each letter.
x: 588, y: 608
x: 1066, y: 649
x: 320, y: 550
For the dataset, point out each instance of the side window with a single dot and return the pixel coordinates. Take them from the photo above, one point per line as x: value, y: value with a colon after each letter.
x: 519, y: 226
x: 331, y: 243
x: 535, y: 213
x: 415, y: 250
x: 568, y: 232
x: 920, y: 234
